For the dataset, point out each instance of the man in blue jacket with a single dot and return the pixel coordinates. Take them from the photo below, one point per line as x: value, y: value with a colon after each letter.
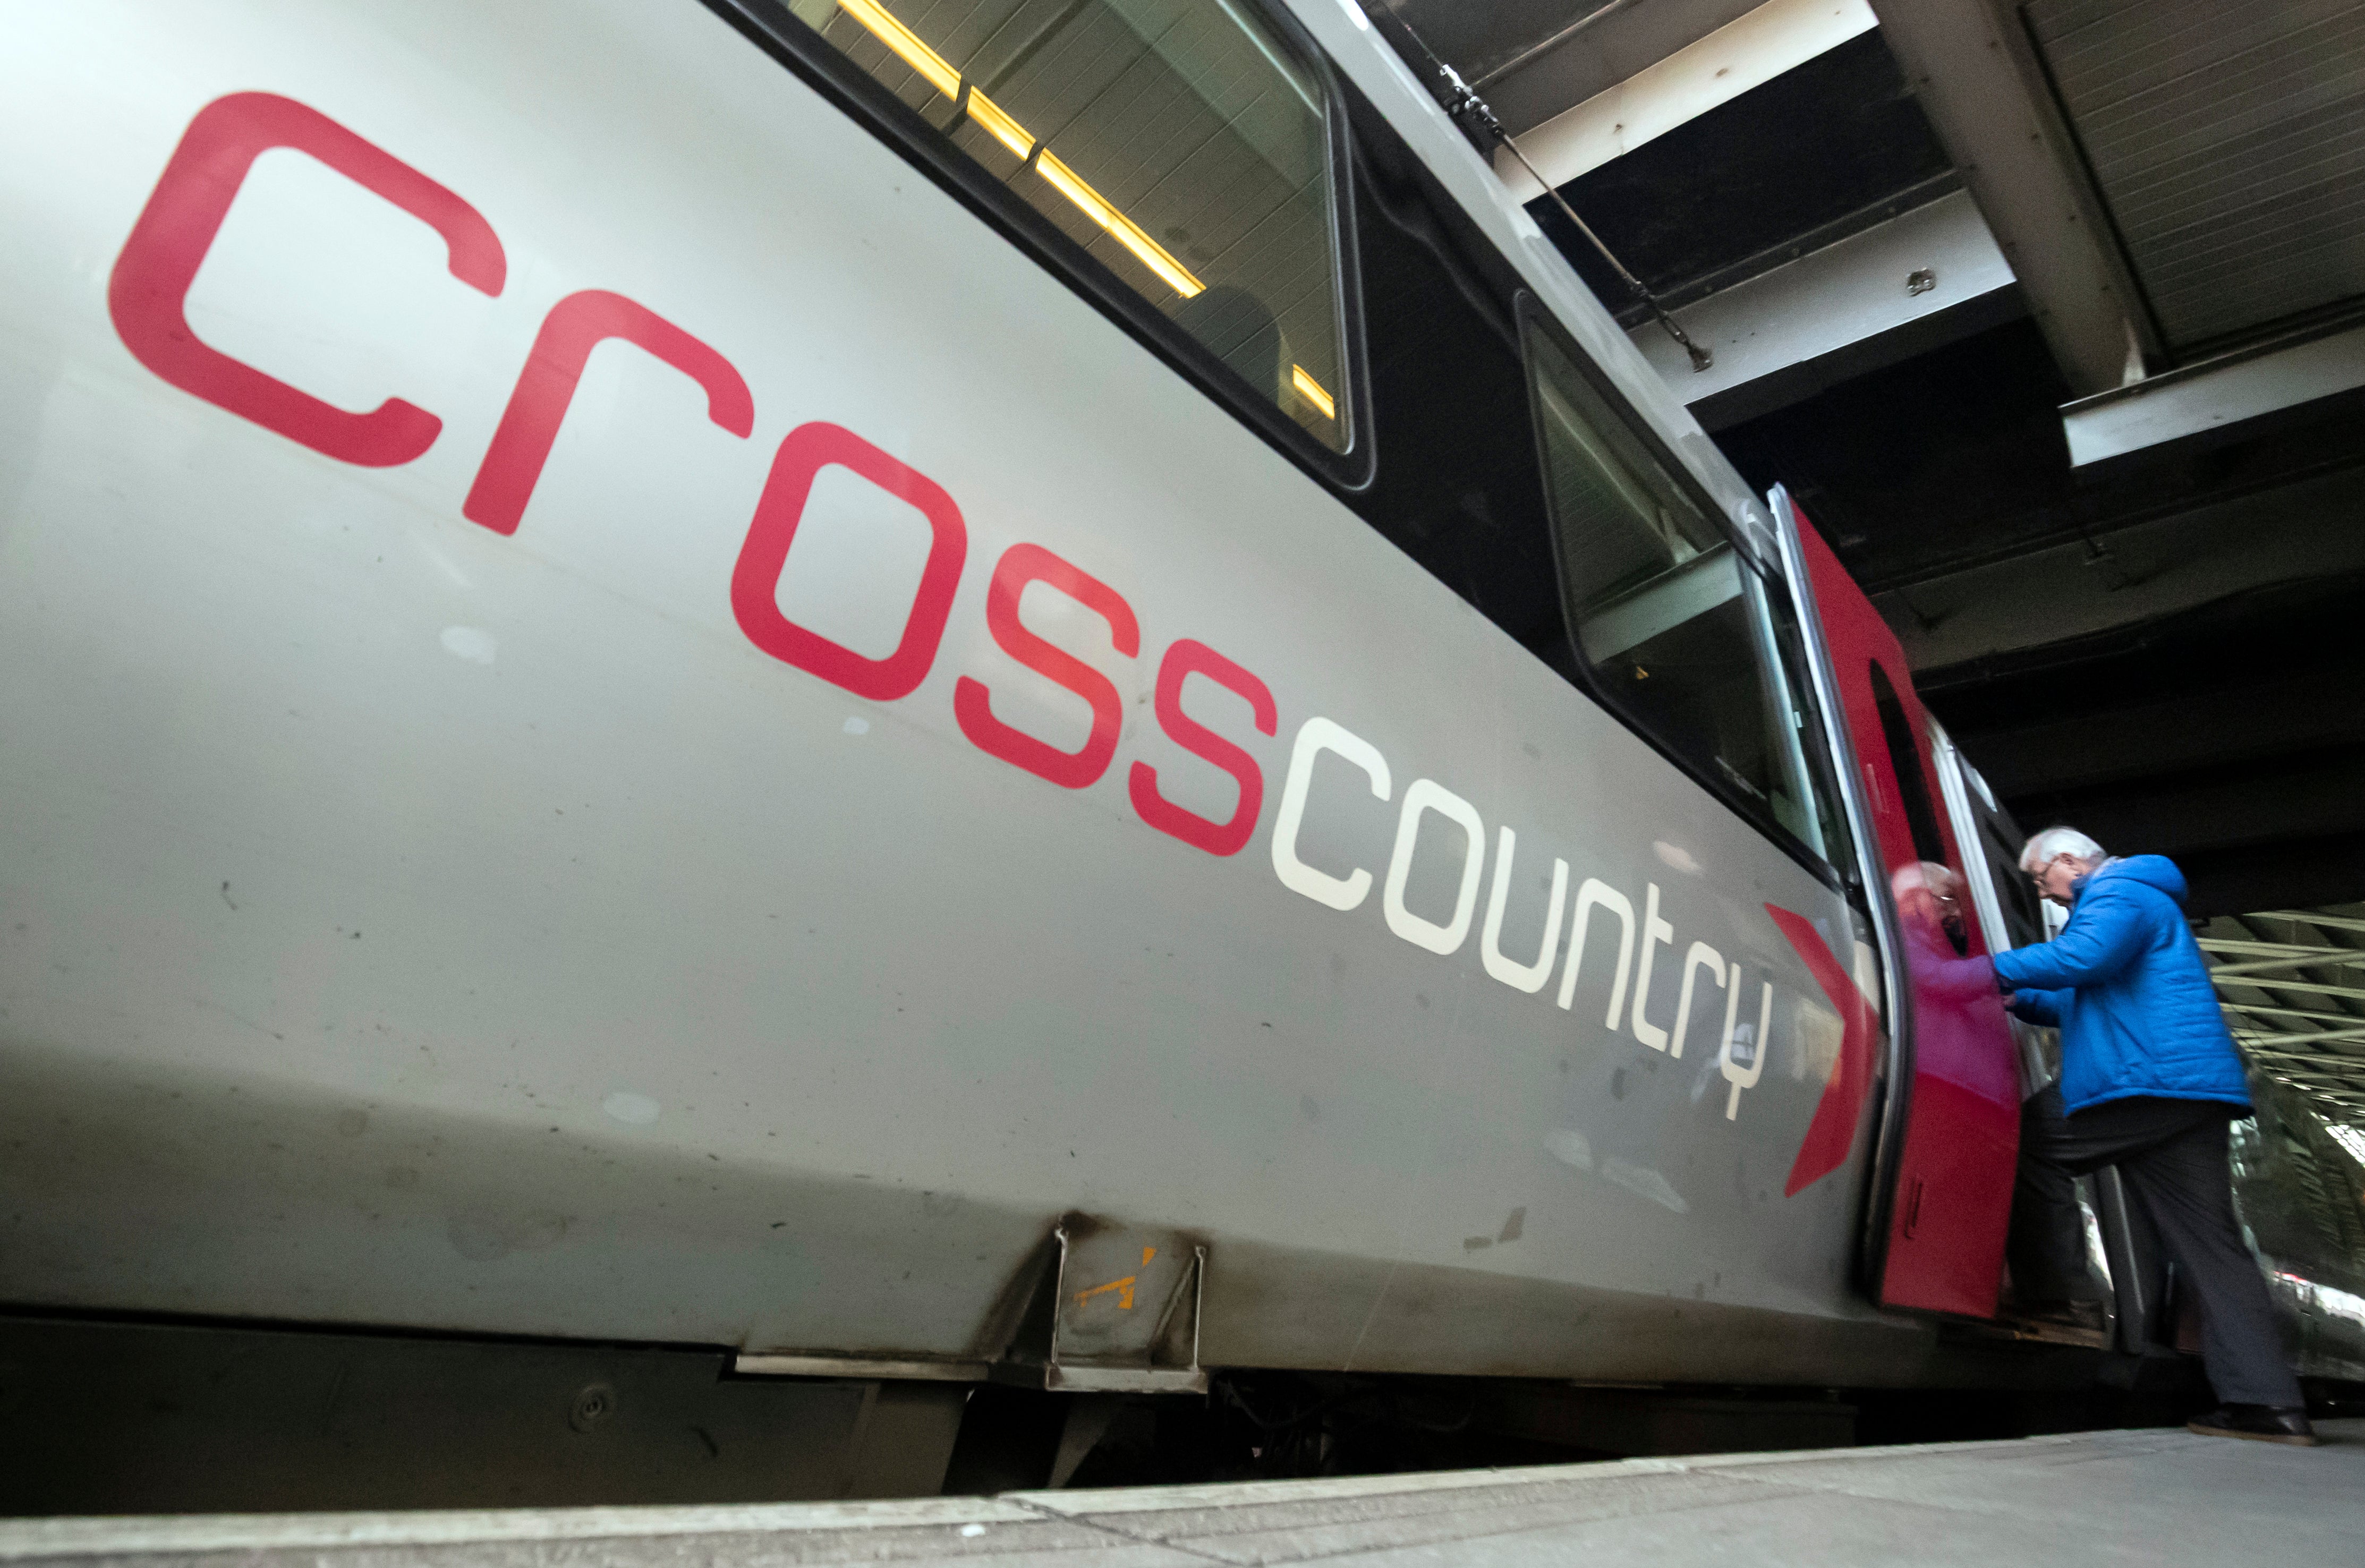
x: 2150, y: 1080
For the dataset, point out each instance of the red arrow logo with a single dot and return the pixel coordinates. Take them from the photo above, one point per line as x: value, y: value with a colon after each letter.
x: 1831, y: 1134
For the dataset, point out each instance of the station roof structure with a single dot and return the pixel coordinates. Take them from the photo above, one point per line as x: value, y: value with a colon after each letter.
x: 2293, y: 982
x: 2051, y: 314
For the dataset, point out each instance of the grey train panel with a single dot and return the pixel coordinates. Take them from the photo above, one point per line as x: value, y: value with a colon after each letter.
x: 413, y: 926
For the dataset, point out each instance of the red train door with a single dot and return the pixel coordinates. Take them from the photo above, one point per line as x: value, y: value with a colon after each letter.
x: 1952, y: 1198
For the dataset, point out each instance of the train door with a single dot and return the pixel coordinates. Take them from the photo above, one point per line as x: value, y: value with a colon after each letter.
x: 1953, y: 1114
x: 2009, y: 912
x: 2010, y: 916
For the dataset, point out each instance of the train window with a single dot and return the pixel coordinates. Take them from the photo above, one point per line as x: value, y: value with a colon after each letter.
x: 1179, y: 141
x: 2023, y: 920
x: 1674, y: 624
x: 1457, y: 489
x: 1905, y: 761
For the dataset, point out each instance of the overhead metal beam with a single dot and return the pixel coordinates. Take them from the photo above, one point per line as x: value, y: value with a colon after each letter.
x: 2312, y: 952
x: 2078, y: 748
x: 2328, y: 1060
x: 2320, y: 960
x: 1746, y: 52
x: 2267, y: 801
x: 1614, y: 44
x: 2214, y: 396
x: 2311, y: 527
x: 2337, y: 1101
x: 2315, y: 986
x: 2343, y: 1082
x: 2312, y: 918
x: 2332, y: 1083
x: 1599, y: 15
x: 2327, y: 1036
x: 2232, y: 1006
x: 2340, y: 1099
x: 1978, y: 78
x: 1882, y: 294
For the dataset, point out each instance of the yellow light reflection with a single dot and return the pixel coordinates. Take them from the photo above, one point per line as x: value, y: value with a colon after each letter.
x: 905, y: 42
x: 998, y: 125
x: 1311, y: 390
x: 1121, y: 229
x: 1011, y: 134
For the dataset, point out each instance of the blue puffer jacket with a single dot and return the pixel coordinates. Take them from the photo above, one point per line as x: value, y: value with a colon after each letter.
x: 2127, y: 985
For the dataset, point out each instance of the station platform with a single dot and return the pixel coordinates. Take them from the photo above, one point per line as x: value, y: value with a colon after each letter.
x: 2150, y: 1498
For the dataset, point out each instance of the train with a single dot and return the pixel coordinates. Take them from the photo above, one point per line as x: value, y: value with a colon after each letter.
x: 913, y: 698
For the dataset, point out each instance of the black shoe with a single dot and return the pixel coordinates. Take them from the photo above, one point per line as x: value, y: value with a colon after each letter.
x: 2260, y: 1423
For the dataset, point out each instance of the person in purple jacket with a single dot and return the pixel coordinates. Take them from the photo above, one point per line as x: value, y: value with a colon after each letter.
x: 2149, y: 1080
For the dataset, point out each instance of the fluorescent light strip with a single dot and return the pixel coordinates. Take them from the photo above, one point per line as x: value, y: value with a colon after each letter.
x: 998, y: 125
x: 1311, y: 390
x: 1011, y: 134
x: 1121, y: 229
x: 906, y: 43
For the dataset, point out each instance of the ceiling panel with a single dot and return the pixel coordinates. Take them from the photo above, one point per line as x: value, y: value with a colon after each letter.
x: 2228, y: 141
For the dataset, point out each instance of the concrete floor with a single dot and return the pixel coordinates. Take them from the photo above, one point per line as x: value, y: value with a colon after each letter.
x: 2146, y: 1498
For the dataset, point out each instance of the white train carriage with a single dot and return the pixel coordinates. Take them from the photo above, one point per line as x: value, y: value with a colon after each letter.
x: 1000, y: 688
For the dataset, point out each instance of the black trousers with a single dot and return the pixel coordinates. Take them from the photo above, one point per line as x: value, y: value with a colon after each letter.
x: 2171, y: 1155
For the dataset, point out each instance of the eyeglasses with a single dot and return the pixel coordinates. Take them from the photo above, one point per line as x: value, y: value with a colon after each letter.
x: 2036, y: 878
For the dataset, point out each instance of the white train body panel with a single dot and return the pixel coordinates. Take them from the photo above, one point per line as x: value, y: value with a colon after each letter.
x: 405, y: 924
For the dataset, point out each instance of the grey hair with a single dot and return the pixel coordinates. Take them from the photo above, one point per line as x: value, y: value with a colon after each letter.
x: 2055, y: 841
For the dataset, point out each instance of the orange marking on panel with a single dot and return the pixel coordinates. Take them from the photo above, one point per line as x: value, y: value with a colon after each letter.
x: 1123, y: 1287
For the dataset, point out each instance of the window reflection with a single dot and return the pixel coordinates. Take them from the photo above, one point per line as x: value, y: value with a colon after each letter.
x: 1177, y: 141
x: 1679, y: 631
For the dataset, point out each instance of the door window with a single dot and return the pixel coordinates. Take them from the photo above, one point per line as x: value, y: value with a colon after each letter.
x: 1179, y: 141
x: 1905, y: 763
x: 2023, y: 923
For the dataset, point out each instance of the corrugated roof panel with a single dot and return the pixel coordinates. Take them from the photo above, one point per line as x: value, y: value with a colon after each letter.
x: 2228, y: 141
